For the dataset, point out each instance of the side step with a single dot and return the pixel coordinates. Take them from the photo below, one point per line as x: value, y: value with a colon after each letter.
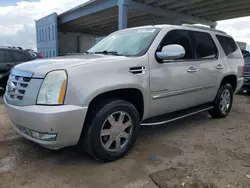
x: 166, y: 118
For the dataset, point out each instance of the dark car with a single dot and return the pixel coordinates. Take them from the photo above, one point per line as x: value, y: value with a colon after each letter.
x: 9, y: 57
x: 246, y: 85
x: 244, y: 52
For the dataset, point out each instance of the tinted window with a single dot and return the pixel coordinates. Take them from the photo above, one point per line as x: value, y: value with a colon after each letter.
x: 204, y: 45
x: 19, y: 57
x: 8, y: 56
x: 1, y: 56
x: 227, y: 43
x: 178, y: 37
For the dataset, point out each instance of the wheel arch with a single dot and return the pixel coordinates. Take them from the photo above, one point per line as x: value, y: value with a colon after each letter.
x: 132, y: 95
x: 231, y: 79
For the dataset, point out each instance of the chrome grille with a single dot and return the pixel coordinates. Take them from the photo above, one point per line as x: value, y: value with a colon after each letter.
x: 17, y: 84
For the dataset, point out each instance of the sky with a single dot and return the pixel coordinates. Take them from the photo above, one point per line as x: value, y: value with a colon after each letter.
x: 17, y: 25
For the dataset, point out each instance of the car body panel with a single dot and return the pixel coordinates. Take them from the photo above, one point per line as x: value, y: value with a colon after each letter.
x: 165, y: 87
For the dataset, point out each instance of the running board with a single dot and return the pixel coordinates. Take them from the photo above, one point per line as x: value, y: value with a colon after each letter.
x: 166, y: 118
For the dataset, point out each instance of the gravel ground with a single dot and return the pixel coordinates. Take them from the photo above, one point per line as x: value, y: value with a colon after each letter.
x: 196, y: 152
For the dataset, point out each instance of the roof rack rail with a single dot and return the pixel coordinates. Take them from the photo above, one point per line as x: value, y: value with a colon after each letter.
x: 203, y: 27
x: 13, y: 47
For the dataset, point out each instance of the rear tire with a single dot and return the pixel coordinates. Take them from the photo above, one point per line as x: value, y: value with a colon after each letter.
x: 111, y: 130
x: 223, y: 102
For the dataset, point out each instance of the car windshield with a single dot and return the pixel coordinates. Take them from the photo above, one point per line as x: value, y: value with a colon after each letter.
x: 133, y: 42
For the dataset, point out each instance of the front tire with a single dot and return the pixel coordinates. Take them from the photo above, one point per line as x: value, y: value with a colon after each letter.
x: 223, y: 102
x: 112, y: 130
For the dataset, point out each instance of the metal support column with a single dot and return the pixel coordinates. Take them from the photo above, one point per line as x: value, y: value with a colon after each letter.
x: 123, y: 15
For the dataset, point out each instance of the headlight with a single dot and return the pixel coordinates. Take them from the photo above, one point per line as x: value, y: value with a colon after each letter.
x: 53, y: 89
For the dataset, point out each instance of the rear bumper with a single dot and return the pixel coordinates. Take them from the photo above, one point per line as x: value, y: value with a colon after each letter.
x: 65, y: 121
x: 246, y: 82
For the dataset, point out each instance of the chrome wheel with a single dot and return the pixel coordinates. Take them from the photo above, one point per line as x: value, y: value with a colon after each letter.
x: 225, y: 101
x: 116, y: 131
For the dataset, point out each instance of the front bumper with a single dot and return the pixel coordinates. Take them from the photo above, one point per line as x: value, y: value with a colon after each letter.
x: 66, y: 121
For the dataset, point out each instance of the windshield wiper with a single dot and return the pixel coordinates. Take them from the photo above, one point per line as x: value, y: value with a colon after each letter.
x: 108, y: 52
x: 86, y: 52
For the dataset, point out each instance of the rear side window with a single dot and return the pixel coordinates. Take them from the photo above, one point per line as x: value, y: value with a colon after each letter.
x: 204, y: 45
x: 1, y: 56
x: 228, y: 44
x: 19, y: 57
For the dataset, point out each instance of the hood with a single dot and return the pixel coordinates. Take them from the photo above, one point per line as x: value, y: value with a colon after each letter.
x: 42, y: 66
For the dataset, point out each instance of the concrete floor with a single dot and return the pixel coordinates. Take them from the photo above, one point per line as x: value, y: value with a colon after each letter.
x: 215, y: 152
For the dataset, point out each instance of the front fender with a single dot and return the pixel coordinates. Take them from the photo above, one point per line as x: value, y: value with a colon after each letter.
x: 83, y: 89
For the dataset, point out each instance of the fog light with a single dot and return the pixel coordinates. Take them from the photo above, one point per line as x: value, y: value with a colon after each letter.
x: 43, y: 136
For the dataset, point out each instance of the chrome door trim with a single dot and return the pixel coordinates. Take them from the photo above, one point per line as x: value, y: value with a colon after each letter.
x: 181, y: 92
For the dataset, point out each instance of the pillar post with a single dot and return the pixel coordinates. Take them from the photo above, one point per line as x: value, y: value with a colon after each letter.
x: 123, y: 15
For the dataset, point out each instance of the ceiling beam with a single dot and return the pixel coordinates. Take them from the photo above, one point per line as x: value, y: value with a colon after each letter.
x: 198, y: 5
x: 164, y: 2
x: 226, y: 10
x: 100, y: 15
x: 177, y: 4
x: 218, y: 6
x: 150, y: 1
x: 141, y: 7
x: 89, y: 8
x: 230, y: 14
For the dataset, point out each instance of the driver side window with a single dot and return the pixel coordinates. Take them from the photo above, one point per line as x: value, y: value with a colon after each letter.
x: 181, y: 38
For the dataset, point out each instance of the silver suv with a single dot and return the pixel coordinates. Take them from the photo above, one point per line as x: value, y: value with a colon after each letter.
x: 135, y: 77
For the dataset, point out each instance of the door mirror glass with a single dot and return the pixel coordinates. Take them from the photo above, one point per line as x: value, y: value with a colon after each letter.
x: 171, y: 52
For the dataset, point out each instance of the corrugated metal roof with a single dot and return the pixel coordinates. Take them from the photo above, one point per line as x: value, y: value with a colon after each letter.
x: 104, y: 21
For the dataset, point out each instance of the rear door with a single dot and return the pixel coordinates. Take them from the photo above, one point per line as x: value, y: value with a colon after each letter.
x: 207, y: 57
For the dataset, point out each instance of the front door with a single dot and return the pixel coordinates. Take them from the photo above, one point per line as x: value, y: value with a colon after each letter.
x: 173, y: 84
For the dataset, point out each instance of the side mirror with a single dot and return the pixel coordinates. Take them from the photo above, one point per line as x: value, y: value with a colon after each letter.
x: 171, y: 52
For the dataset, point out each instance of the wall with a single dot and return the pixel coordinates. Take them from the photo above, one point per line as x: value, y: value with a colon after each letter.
x: 74, y: 43
x: 68, y: 43
x: 242, y: 45
x: 86, y: 42
x: 46, y: 35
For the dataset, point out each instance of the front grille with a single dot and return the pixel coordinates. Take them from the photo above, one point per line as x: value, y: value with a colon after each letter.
x: 17, y: 84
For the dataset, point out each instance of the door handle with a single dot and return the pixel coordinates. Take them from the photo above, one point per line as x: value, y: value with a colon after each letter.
x: 192, y: 69
x: 220, y: 66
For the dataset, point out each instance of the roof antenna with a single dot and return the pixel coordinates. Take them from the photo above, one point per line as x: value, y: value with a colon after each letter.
x: 153, y: 23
